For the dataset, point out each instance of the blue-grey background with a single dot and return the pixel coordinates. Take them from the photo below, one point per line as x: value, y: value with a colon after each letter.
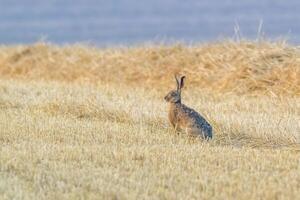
x: 126, y: 22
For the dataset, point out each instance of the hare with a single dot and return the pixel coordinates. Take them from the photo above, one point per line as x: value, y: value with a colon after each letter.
x: 184, y: 118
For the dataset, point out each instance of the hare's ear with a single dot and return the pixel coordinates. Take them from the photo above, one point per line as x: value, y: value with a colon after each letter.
x: 177, y: 82
x: 181, y: 82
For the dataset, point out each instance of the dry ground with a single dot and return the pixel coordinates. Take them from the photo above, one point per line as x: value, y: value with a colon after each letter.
x: 84, y: 123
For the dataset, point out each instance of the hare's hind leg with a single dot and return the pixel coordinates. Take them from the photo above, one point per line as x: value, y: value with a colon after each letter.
x: 196, y: 132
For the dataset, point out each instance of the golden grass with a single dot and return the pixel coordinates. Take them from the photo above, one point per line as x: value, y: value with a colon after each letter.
x: 241, y: 68
x: 84, y: 123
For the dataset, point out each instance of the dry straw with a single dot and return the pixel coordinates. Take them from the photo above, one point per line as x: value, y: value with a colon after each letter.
x: 236, y: 67
x: 110, y: 139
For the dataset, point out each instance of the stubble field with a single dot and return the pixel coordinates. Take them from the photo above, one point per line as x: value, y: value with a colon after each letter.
x: 79, y: 122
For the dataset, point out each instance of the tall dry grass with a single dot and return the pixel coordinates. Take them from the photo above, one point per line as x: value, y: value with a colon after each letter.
x: 240, y: 68
x: 84, y: 123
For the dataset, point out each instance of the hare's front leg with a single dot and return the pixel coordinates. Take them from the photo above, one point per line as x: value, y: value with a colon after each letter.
x: 175, y: 127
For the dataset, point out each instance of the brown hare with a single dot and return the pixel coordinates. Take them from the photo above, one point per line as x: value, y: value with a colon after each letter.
x: 185, y: 118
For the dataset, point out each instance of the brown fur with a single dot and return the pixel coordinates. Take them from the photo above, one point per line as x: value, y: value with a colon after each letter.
x: 183, y: 118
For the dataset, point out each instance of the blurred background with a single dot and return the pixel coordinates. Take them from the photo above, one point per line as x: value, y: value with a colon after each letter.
x: 130, y: 22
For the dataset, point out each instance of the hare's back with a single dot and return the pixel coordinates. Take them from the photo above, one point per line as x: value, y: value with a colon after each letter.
x: 197, y: 122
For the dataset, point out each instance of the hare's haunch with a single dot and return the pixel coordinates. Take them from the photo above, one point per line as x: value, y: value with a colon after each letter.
x: 184, y: 118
